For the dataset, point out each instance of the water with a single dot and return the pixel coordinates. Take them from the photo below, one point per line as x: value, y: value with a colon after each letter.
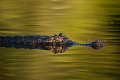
x: 80, y: 20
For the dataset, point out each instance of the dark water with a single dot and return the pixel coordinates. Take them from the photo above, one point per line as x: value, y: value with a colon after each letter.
x: 80, y: 20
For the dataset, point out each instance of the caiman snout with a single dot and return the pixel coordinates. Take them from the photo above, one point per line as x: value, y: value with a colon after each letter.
x: 97, y: 44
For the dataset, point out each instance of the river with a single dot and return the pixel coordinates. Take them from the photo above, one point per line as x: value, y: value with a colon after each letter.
x: 80, y: 20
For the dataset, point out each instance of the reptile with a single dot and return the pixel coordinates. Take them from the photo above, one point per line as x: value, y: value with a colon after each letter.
x: 57, y: 43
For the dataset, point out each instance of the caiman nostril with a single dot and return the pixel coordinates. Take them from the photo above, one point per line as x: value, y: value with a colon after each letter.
x: 97, y: 44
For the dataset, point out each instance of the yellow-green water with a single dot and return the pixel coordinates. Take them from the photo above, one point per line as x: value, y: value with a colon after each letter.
x: 80, y: 20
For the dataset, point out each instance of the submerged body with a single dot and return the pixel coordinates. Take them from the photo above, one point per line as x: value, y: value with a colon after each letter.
x: 57, y: 43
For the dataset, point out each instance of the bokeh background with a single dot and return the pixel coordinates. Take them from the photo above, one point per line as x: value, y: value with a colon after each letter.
x: 80, y: 20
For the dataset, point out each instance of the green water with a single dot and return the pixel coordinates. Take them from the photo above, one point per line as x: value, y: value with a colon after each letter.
x: 80, y: 20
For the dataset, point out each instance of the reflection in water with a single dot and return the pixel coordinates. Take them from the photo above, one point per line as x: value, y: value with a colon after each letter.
x: 79, y: 20
x: 114, y: 27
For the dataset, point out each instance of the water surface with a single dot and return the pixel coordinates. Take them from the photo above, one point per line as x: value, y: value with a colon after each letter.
x: 80, y: 20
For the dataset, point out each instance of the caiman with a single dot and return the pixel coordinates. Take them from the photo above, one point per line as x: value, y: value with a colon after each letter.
x: 57, y: 43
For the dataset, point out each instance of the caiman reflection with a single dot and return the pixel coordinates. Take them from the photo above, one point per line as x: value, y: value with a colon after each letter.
x: 57, y: 43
